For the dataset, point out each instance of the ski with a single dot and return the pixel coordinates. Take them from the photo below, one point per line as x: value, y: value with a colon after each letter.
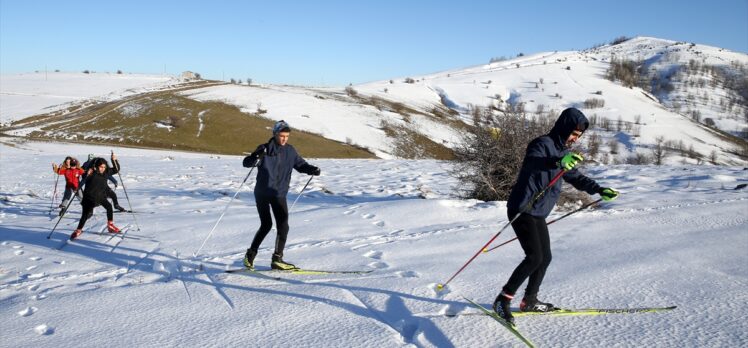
x: 596, y: 311
x: 501, y: 321
x: 121, y: 234
x: 297, y: 271
x: 580, y: 311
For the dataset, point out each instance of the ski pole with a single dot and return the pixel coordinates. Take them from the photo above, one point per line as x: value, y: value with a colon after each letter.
x: 75, y: 194
x: 224, y: 210
x: 552, y: 221
x: 54, y: 194
x: 300, y: 193
x: 122, y: 181
x: 529, y: 205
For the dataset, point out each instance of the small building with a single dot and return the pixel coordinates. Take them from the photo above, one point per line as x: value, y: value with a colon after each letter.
x: 189, y: 75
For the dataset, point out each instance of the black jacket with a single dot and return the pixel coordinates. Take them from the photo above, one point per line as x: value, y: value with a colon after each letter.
x: 96, y: 187
x: 275, y: 164
x: 540, y: 166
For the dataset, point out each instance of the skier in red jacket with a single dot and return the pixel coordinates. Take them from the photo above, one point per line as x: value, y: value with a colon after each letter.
x: 72, y: 171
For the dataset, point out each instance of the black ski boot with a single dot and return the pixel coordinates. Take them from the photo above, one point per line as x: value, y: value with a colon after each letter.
x: 501, y: 307
x: 249, y: 259
x: 279, y: 264
x: 531, y: 304
x: 119, y: 207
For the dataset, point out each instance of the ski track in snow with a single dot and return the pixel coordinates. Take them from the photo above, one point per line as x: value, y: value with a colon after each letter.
x: 674, y: 236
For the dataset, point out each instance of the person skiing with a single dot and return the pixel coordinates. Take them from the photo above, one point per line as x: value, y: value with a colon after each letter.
x: 110, y: 193
x: 274, y: 161
x: 72, y: 172
x: 95, y: 194
x: 545, y: 157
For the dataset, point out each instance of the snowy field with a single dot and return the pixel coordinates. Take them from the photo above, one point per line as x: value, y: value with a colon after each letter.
x: 676, y: 236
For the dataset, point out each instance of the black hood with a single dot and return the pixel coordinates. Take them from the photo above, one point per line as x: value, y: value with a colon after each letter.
x: 570, y: 120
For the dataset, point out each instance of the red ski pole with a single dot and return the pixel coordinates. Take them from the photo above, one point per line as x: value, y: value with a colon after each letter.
x: 552, y: 221
x: 528, y: 206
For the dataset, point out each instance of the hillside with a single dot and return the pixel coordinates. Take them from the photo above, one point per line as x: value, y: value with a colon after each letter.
x: 686, y: 98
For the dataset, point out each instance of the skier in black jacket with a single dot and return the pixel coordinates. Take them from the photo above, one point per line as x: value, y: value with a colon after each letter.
x: 545, y: 157
x: 275, y: 159
x: 95, y: 193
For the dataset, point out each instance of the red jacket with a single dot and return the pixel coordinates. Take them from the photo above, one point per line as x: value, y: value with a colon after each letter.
x: 72, y: 176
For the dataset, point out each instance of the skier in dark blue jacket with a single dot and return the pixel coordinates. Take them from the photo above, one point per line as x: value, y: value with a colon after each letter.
x: 545, y: 157
x: 274, y: 161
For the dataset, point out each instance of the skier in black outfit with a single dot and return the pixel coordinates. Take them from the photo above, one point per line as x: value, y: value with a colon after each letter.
x: 276, y: 158
x: 545, y: 157
x: 110, y: 193
x: 95, y: 193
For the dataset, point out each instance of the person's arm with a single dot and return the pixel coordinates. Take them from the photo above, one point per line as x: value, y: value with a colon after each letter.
x: 581, y: 182
x: 253, y: 158
x: 303, y: 167
x: 537, y: 157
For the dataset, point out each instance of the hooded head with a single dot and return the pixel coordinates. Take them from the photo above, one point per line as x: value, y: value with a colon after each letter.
x: 569, y: 121
x: 91, y: 156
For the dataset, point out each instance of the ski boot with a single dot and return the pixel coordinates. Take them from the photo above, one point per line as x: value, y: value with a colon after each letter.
x: 249, y: 259
x: 501, y: 307
x: 119, y: 208
x: 531, y: 304
x: 279, y: 264
x: 111, y: 228
x: 76, y: 233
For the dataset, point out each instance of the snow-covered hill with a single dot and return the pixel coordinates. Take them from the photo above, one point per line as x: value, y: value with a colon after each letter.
x: 24, y: 95
x: 675, y: 236
x: 694, y: 97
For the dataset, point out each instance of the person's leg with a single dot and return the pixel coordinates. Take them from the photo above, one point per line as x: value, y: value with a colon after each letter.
x: 280, y: 211
x: 266, y: 222
x: 525, y: 229
x: 113, y: 196
x: 66, y: 196
x: 87, y: 210
x: 536, y: 277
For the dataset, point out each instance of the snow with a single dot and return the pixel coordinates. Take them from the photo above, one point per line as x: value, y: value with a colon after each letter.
x: 24, y: 95
x: 676, y: 236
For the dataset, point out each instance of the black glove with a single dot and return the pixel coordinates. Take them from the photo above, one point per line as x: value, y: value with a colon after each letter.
x: 316, y: 171
x: 251, y: 160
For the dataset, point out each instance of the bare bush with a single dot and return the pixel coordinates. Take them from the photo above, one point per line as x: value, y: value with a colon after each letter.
x: 594, y: 103
x: 350, y: 91
x: 659, y: 151
x: 409, y: 80
x: 492, y: 150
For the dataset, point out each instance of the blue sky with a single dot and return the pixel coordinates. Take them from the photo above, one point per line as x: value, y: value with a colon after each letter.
x: 335, y: 42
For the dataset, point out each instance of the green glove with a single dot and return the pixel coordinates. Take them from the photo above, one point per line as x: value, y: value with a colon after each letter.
x: 570, y: 160
x: 608, y: 194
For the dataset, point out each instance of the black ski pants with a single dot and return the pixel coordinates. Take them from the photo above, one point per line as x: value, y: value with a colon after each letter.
x: 280, y: 211
x: 88, y: 208
x: 532, y: 233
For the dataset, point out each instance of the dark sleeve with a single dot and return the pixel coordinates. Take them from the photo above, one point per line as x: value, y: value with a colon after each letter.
x: 537, y: 157
x: 115, y: 167
x: 301, y: 166
x: 581, y: 182
x: 252, y: 158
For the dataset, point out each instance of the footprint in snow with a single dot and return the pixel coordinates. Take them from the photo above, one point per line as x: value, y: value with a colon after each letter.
x: 348, y: 212
x: 33, y: 287
x: 4, y: 243
x: 19, y: 252
x: 28, y: 311
x: 44, y: 329
x: 31, y: 267
x: 35, y: 258
x: 368, y: 216
x: 378, y: 265
x: 378, y: 223
x: 408, y: 274
x: 372, y: 254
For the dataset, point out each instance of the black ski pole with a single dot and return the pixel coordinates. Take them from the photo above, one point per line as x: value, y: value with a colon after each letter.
x: 65, y: 211
x: 226, y: 208
x: 300, y: 193
x: 122, y: 181
x: 54, y: 194
x: 552, y: 221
